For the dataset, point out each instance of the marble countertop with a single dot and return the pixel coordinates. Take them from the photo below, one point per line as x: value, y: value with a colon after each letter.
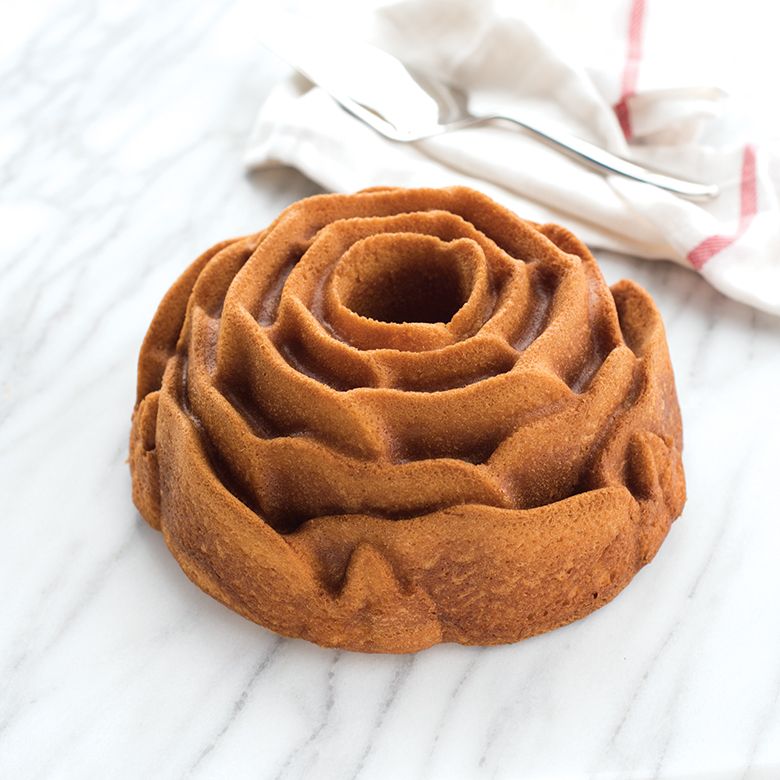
x: 121, y: 140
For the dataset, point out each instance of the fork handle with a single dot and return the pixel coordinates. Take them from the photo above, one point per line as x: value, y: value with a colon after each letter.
x: 606, y: 162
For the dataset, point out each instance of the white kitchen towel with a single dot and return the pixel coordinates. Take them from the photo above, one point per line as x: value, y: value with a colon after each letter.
x: 606, y: 75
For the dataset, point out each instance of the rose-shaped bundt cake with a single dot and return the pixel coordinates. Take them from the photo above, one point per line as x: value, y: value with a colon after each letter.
x: 404, y: 417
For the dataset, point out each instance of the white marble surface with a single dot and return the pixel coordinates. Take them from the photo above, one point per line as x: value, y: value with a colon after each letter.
x: 122, y: 127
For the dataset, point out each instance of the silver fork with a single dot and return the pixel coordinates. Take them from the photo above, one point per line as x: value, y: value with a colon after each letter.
x: 405, y: 105
x: 453, y: 114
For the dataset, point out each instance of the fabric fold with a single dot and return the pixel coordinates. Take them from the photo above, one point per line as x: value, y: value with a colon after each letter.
x: 506, y: 62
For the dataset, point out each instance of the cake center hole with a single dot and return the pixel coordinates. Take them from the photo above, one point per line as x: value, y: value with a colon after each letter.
x: 397, y: 278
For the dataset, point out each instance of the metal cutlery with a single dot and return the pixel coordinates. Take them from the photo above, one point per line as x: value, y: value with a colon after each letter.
x: 405, y: 105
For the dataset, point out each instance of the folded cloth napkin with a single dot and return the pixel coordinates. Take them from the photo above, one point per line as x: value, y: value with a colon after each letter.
x: 608, y: 78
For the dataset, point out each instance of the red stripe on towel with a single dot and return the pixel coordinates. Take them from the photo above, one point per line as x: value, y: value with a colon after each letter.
x: 748, y: 208
x: 631, y: 69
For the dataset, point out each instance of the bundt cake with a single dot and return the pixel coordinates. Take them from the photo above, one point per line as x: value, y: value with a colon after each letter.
x: 403, y: 417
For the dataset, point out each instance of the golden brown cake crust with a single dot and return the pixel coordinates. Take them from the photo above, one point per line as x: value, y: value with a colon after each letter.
x: 404, y: 417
